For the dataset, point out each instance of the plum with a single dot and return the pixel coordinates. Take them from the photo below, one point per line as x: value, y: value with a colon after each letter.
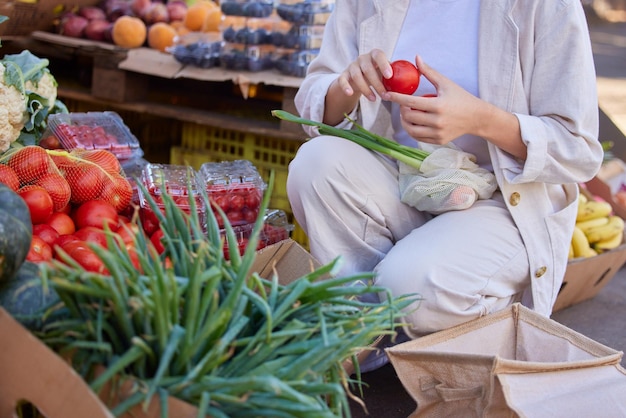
x: 96, y: 30
x: 73, y: 25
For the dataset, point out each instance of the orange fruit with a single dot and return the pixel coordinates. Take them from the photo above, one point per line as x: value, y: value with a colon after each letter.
x: 161, y: 35
x: 129, y: 32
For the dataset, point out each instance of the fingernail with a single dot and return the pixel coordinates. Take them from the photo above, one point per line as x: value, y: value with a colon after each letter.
x: 387, y: 73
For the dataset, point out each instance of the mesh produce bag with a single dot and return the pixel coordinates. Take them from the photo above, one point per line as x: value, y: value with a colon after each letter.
x: 32, y: 167
x: 448, y: 179
x: 94, y: 175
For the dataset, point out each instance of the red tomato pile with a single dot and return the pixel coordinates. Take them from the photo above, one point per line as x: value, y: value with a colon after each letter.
x: 71, y: 201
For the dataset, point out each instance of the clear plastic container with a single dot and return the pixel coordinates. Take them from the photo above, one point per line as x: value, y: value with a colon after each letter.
x: 203, y: 53
x: 178, y: 181
x: 307, y: 12
x: 248, y: 8
x: 304, y: 37
x: 295, y: 63
x: 247, y: 57
x: 276, y: 228
x: 94, y: 130
x: 236, y: 187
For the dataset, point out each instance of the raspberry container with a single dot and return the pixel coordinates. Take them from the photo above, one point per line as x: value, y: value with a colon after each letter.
x: 94, y: 130
x: 178, y: 181
x: 236, y: 187
x: 276, y: 228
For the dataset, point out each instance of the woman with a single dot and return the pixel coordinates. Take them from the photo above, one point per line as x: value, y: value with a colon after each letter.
x: 515, y: 86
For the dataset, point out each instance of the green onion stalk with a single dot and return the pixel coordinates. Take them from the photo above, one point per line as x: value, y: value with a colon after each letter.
x: 408, y: 155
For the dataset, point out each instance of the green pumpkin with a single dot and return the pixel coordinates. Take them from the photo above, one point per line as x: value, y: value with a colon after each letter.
x: 16, y: 232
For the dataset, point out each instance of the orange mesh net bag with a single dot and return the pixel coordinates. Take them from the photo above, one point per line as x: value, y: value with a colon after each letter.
x: 93, y: 175
x: 31, y: 167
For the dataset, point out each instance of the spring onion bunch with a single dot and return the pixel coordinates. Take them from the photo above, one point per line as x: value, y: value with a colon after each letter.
x: 410, y: 156
x: 210, y: 331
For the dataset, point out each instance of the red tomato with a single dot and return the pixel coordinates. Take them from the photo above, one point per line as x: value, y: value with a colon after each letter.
x: 86, y: 181
x: 156, y: 241
x: 105, y: 159
x: 69, y: 244
x: 39, y: 250
x: 127, y: 232
x: 118, y: 192
x: 9, y: 177
x: 30, y: 163
x: 50, y: 142
x: 405, y: 78
x: 62, y: 223
x: 93, y: 235
x: 96, y: 213
x: 46, y: 232
x: 62, y: 241
x: 88, y: 260
x: 58, y: 188
x: 39, y: 202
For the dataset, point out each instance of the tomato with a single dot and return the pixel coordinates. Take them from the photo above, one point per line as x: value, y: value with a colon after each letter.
x: 30, y: 163
x: 86, y: 181
x: 62, y: 223
x: 62, y: 241
x: 58, y: 188
x: 128, y: 232
x: 93, y: 235
x: 46, y: 232
x: 103, y: 158
x: 405, y: 78
x: 156, y: 239
x: 50, y: 142
x: 39, y: 202
x: 39, y: 250
x: 88, y: 259
x: 118, y: 192
x: 96, y: 213
x: 9, y: 177
x: 235, y: 217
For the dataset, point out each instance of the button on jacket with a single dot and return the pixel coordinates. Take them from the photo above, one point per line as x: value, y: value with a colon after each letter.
x: 535, y: 60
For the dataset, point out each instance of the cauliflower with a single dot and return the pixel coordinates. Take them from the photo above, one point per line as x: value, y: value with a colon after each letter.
x: 46, y: 87
x: 28, y: 95
x: 13, y: 113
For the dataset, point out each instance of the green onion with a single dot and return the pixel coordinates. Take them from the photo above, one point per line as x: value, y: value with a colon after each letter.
x: 408, y: 155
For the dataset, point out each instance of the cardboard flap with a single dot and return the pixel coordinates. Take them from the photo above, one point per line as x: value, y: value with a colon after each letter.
x: 287, y: 258
x: 585, y: 392
x: 31, y: 372
x: 150, y: 61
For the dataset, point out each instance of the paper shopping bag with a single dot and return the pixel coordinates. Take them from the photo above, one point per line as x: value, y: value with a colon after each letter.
x: 513, y: 363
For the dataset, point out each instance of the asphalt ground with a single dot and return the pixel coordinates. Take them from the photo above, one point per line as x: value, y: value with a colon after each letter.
x: 600, y: 318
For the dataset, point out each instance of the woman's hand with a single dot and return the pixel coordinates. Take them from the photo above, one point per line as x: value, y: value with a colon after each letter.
x: 438, y: 120
x: 358, y: 79
x: 455, y: 112
x: 365, y: 74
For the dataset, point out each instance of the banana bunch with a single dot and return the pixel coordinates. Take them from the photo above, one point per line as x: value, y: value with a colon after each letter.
x: 597, y: 228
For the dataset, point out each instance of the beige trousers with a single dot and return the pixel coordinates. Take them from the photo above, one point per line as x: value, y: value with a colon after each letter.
x: 460, y: 265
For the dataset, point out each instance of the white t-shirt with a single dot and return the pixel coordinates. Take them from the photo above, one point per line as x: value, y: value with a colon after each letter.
x: 445, y: 34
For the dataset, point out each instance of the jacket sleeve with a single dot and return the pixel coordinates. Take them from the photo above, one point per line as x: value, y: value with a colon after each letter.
x: 339, y: 48
x: 561, y: 126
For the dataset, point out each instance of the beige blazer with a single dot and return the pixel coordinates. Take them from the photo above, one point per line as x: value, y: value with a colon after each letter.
x: 535, y: 60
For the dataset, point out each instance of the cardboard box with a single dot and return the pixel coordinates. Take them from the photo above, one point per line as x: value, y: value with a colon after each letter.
x: 585, y: 277
x: 28, y: 16
x: 31, y: 372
